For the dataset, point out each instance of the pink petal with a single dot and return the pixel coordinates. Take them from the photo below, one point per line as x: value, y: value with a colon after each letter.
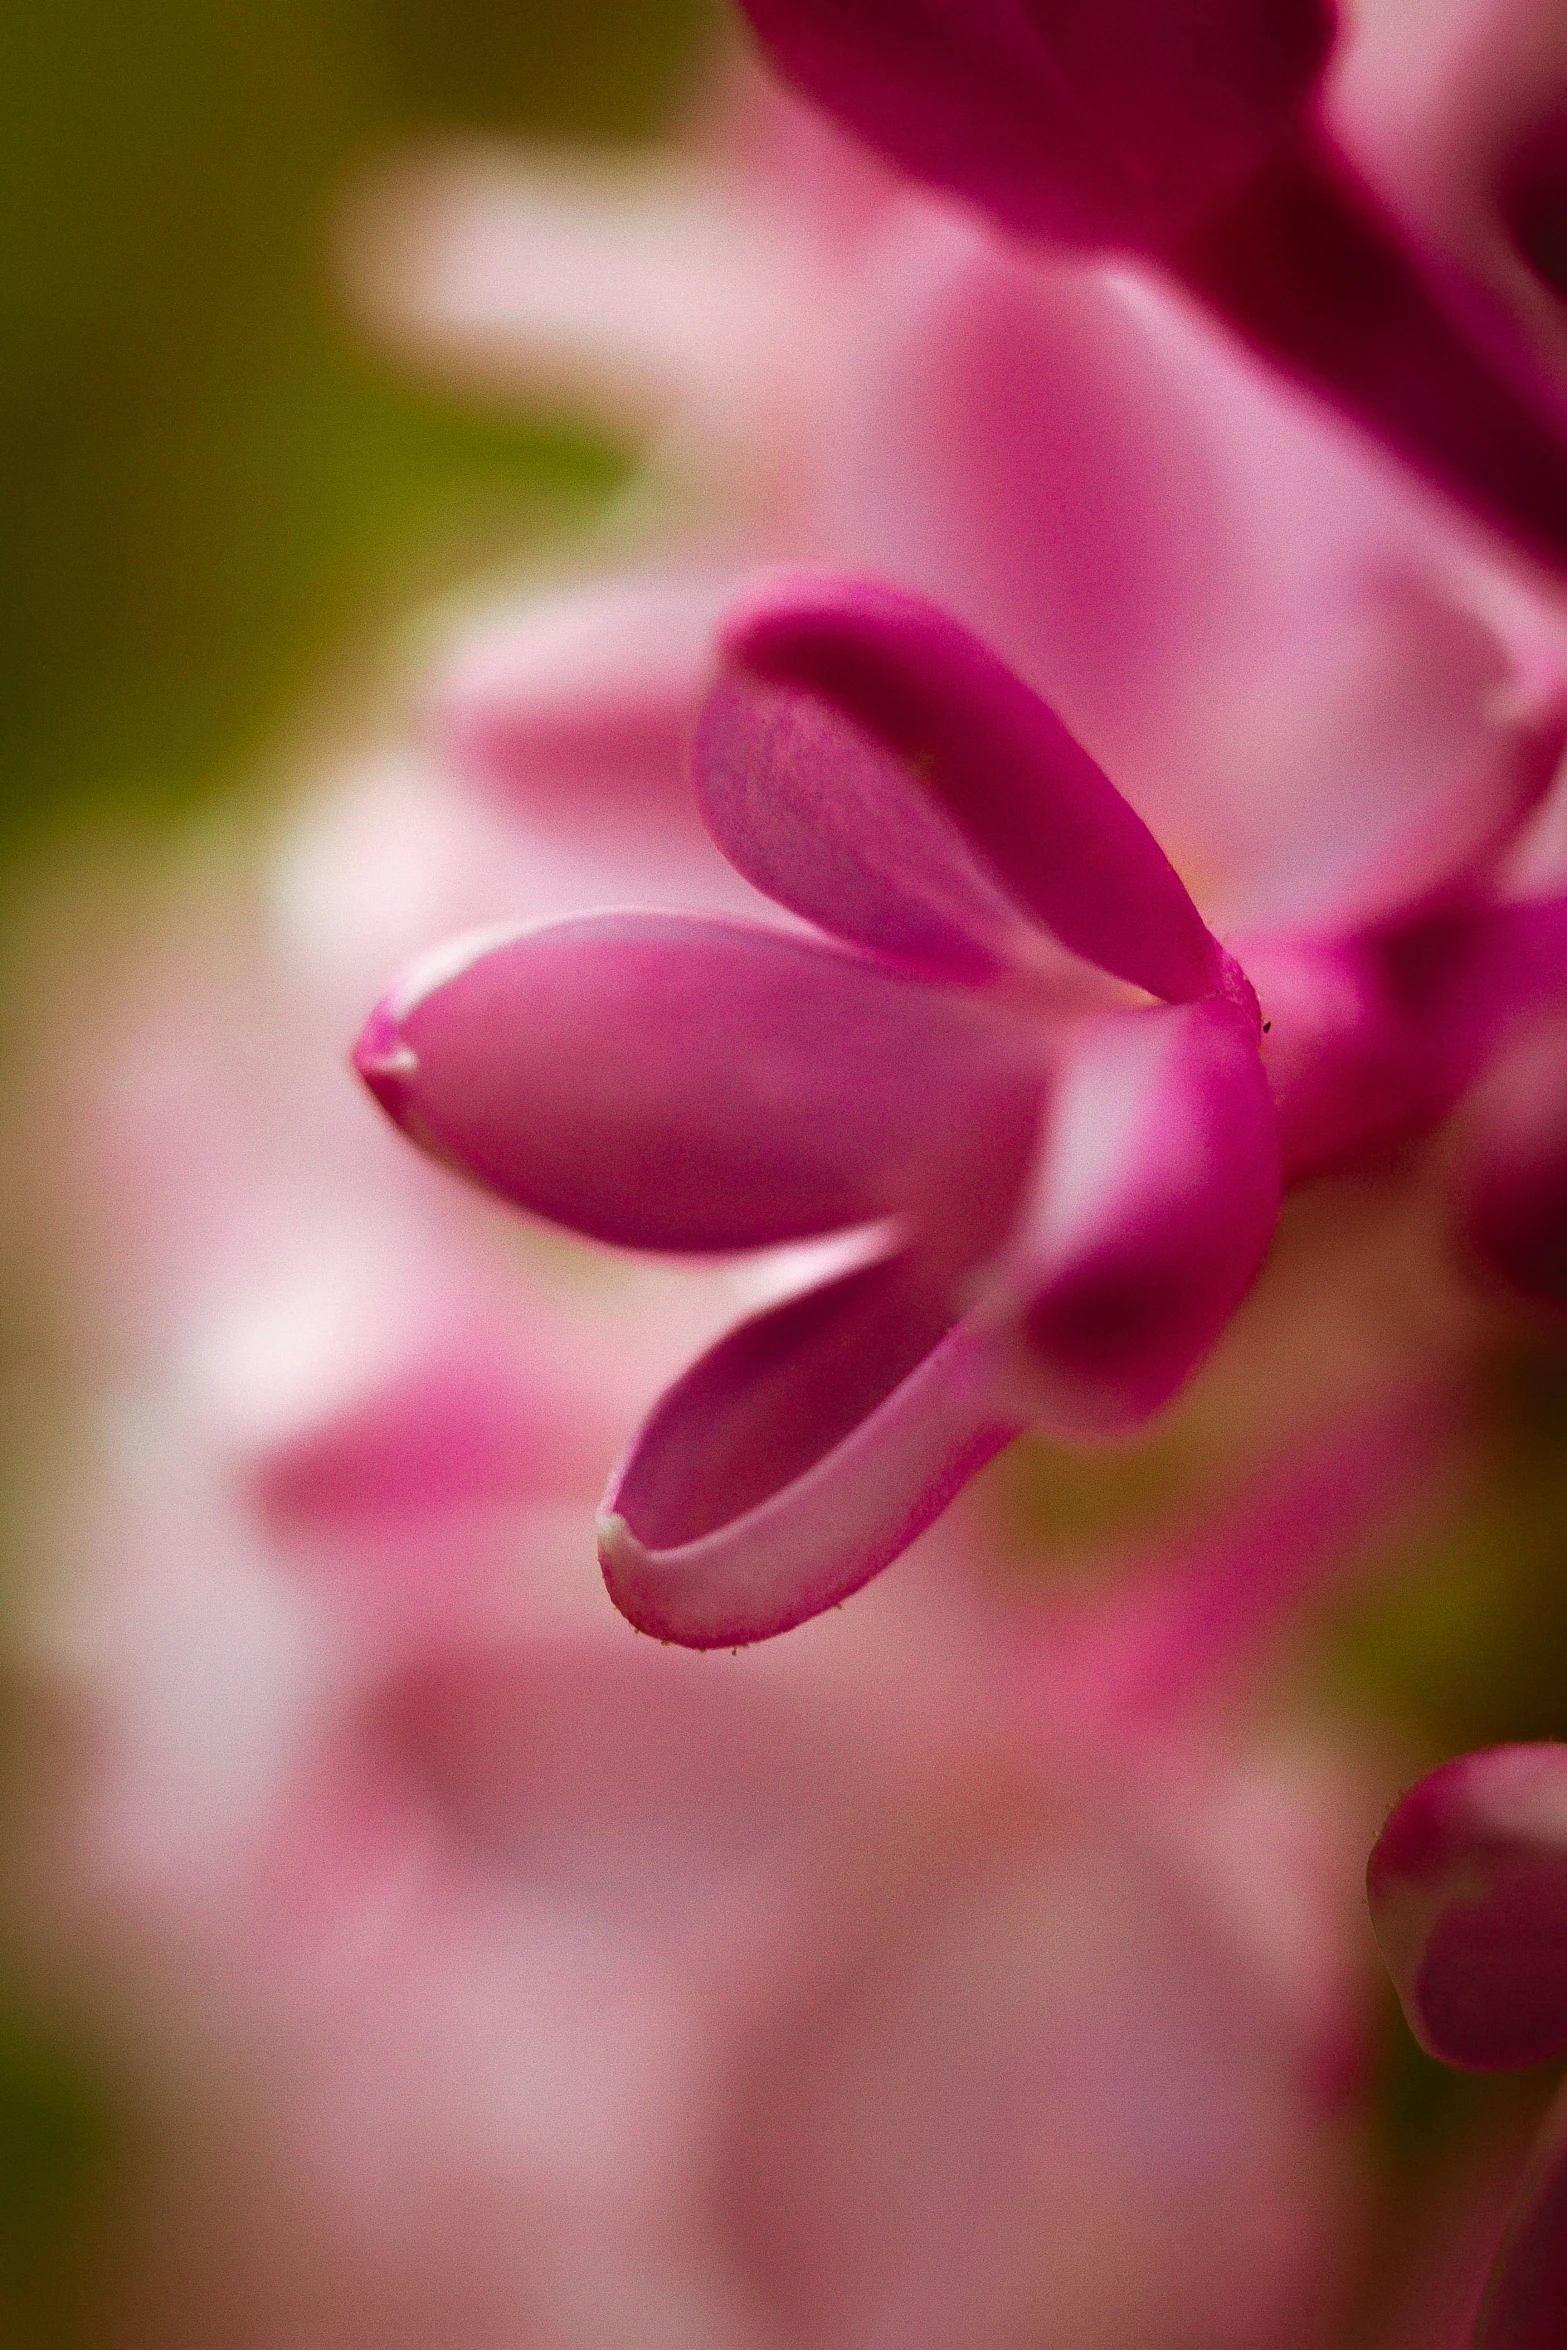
x: 1021, y: 444
x: 1107, y: 123
x: 1158, y: 1192
x: 585, y: 695
x: 1309, y: 267
x: 1354, y: 1070
x: 869, y: 763
x: 797, y: 1459
x: 1468, y: 1887
x: 1375, y: 1037
x: 673, y: 1083
x: 445, y: 1435
x: 629, y: 289
x: 1525, y: 2302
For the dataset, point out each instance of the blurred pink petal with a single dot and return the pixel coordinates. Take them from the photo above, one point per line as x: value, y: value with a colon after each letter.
x: 626, y: 287
x: 576, y: 697
x: 1468, y: 1888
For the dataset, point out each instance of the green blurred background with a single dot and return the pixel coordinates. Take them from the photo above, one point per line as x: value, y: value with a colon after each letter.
x: 214, y: 497
x: 210, y: 488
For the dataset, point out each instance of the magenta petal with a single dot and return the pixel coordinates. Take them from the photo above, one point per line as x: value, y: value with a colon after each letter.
x: 1311, y: 269
x: 869, y: 763
x: 1100, y: 121
x: 672, y: 1083
x: 797, y: 1458
x: 1158, y: 1192
x: 1525, y: 2303
x: 1468, y: 1887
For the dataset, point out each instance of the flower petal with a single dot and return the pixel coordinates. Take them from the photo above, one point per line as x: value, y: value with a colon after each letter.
x: 1157, y: 1195
x: 674, y: 1083
x: 796, y: 1459
x: 1101, y: 121
x: 628, y: 290
x: 588, y: 694
x: 869, y: 763
x: 1468, y: 1887
x: 1314, y: 272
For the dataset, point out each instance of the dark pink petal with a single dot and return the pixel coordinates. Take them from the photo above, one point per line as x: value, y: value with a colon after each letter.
x: 1100, y: 121
x: 673, y: 1083
x: 1312, y: 270
x: 869, y: 763
x: 1468, y: 1886
x: 797, y: 1458
x: 1525, y: 2301
x: 1375, y: 1037
x: 1510, y: 1176
x: 1158, y: 1192
x: 1534, y: 197
x: 1355, y: 1069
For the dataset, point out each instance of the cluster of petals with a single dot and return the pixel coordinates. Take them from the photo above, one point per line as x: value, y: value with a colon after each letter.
x: 1036, y: 1088
x: 1032, y: 1083
x: 1468, y: 1886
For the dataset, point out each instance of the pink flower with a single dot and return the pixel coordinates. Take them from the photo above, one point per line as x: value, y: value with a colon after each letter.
x: 1196, y: 136
x: 1468, y: 1888
x: 697, y: 1087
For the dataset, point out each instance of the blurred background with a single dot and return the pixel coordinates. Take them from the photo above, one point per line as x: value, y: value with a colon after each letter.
x: 216, y: 501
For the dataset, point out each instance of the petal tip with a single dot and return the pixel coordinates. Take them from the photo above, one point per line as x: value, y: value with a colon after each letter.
x: 386, y: 1061
x: 623, y: 1562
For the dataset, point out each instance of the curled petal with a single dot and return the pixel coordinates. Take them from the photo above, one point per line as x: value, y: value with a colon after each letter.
x: 1468, y: 1887
x: 1107, y: 123
x: 868, y: 762
x: 798, y: 1457
x: 1158, y: 1192
x: 673, y: 1083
